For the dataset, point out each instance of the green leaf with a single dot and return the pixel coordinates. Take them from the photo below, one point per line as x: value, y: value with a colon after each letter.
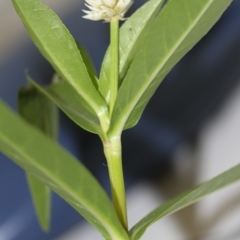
x: 185, y: 199
x: 61, y: 172
x: 89, y: 64
x: 67, y: 99
x: 132, y: 34
x: 41, y: 196
x: 37, y: 110
x: 58, y: 46
x: 179, y: 26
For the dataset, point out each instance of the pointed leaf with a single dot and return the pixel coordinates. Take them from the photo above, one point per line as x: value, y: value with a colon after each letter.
x: 41, y: 196
x: 36, y: 109
x: 66, y: 98
x: 132, y: 34
x: 58, y: 46
x: 179, y: 26
x: 61, y: 172
x: 185, y: 199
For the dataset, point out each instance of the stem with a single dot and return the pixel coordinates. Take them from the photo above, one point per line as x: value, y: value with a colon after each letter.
x: 113, y: 153
x: 114, y: 46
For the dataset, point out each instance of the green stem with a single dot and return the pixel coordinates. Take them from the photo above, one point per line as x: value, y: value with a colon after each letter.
x: 113, y: 153
x: 114, y: 46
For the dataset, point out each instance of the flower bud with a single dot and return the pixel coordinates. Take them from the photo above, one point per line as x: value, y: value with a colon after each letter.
x: 107, y: 9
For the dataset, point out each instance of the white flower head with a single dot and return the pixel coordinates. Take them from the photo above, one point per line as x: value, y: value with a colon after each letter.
x: 107, y: 9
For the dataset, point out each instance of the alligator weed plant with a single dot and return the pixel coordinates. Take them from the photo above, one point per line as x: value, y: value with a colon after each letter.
x: 140, y: 55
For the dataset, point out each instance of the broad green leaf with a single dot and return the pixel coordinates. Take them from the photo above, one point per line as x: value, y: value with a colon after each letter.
x: 179, y: 26
x: 185, y: 199
x: 61, y: 172
x: 58, y: 46
x: 66, y: 98
x: 132, y: 34
x: 39, y: 111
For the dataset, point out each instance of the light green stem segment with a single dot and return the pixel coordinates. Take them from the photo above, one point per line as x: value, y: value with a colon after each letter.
x: 114, y: 46
x: 113, y: 153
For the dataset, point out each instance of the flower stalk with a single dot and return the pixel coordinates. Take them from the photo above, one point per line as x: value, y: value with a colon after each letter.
x: 114, y: 48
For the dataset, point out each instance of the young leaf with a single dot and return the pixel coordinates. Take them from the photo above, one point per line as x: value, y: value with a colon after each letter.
x: 185, y: 199
x: 179, y: 26
x: 36, y: 109
x: 132, y: 34
x: 66, y: 98
x: 58, y: 46
x: 61, y: 172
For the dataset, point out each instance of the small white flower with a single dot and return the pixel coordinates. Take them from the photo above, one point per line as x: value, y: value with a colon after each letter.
x: 107, y: 9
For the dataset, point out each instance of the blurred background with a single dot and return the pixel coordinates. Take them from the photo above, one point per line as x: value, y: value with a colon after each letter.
x: 189, y: 133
